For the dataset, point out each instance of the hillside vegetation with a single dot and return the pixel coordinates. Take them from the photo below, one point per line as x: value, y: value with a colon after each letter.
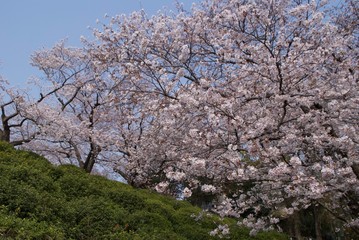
x: 42, y: 201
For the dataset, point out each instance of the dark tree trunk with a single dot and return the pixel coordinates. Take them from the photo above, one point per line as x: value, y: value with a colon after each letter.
x: 317, y: 223
x: 296, y: 226
x: 91, y: 157
x: 5, y: 133
x: 355, y: 168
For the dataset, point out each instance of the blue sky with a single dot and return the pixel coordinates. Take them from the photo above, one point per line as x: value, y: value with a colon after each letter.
x: 29, y: 25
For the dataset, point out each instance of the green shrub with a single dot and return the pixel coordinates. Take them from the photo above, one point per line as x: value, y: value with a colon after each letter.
x: 159, y: 207
x: 144, y: 221
x: 128, y: 199
x: 92, y: 217
x: 12, y: 227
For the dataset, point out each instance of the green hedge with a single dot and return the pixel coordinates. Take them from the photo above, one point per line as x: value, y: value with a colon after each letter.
x: 41, y: 201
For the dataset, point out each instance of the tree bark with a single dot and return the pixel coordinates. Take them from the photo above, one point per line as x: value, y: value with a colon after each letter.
x: 5, y: 133
x: 296, y: 233
x: 91, y: 157
x: 317, y: 223
x: 4, y: 136
x: 355, y: 168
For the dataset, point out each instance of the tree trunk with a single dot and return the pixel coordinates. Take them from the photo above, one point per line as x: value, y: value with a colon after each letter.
x: 5, y: 133
x: 317, y: 223
x: 91, y: 157
x: 90, y: 162
x: 355, y: 168
x: 3, y: 136
x: 295, y: 221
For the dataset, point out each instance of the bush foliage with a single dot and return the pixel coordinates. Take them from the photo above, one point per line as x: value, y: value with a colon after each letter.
x: 42, y: 201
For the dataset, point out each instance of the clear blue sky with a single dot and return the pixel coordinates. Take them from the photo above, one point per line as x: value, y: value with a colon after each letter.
x: 29, y: 25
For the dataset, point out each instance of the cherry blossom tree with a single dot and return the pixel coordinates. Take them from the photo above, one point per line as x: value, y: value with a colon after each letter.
x: 80, y: 115
x: 251, y: 103
x: 16, y: 129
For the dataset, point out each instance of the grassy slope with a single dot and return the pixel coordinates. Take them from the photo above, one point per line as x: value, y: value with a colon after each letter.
x: 41, y: 201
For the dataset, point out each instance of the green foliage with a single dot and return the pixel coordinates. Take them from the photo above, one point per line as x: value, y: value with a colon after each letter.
x: 41, y: 201
x: 14, y: 227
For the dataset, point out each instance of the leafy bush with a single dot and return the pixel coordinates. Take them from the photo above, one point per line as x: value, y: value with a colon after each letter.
x: 13, y: 227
